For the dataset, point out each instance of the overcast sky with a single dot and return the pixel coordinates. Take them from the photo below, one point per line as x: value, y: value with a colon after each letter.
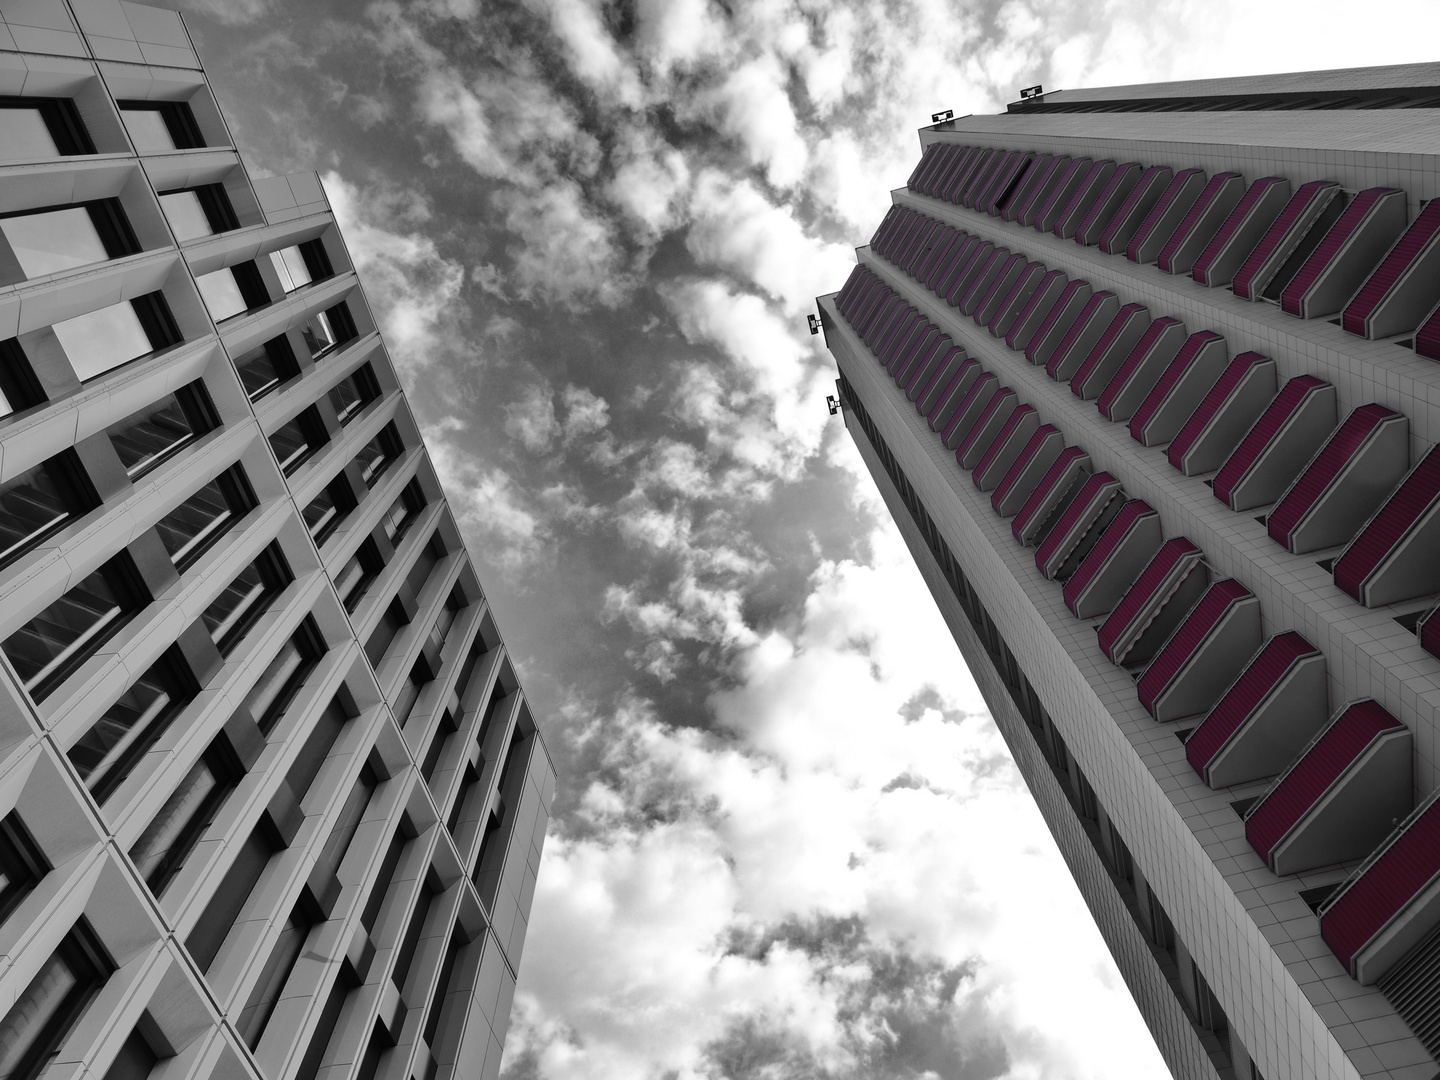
x: 789, y: 842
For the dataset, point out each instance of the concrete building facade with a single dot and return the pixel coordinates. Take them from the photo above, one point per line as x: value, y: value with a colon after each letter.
x: 272, y: 800
x: 1148, y: 378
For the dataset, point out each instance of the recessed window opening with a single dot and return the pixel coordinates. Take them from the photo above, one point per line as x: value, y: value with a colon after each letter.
x: 199, y: 211
x: 325, y: 512
x: 100, y: 341
x: 51, y: 646
x: 107, y: 753
x: 167, y: 841
x: 159, y: 431
x: 191, y: 528
x: 38, y: 502
x: 379, y: 454
x: 267, y: 368
x: 318, y: 334
x: 36, y: 128
x: 22, y: 864
x: 19, y: 388
x: 282, y: 679
x: 279, y: 966
x: 245, y: 599
x: 354, y: 392
x: 59, y: 238
x: 290, y: 265
x: 157, y: 127
x: 46, y: 1010
x: 295, y: 442
x: 404, y: 512
x: 232, y: 291
x: 357, y: 574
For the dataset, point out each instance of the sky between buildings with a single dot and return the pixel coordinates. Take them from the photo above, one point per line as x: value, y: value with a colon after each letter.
x: 790, y: 842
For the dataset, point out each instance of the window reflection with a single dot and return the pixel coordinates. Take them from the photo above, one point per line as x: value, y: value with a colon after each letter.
x: 289, y: 263
x: 100, y: 340
x: 186, y: 215
x: 318, y: 333
x: 221, y: 293
x: 56, y: 240
x: 148, y: 130
x: 24, y: 135
x: 146, y: 438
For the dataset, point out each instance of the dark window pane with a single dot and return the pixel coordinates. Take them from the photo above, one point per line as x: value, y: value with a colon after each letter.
x: 246, y: 598
x: 353, y: 393
x: 106, y: 754
x: 33, y: 505
x: 189, y: 529
x: 266, y: 368
x: 324, y: 514
x: 282, y: 679
x: 318, y: 334
x: 21, y: 864
x: 150, y: 436
x: 265, y: 995
x: 296, y: 441
x: 379, y: 454
x: 170, y: 837
x: 46, y: 1010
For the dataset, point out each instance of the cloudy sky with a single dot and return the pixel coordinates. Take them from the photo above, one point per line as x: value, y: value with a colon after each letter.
x: 789, y: 842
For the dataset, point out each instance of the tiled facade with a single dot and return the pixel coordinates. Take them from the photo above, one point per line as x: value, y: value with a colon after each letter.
x: 272, y: 800
x: 1234, y: 946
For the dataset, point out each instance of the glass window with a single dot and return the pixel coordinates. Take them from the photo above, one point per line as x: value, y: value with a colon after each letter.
x: 106, y: 754
x: 319, y: 334
x: 101, y: 340
x: 353, y: 393
x: 21, y: 864
x: 24, y: 135
x: 151, y: 435
x: 34, y: 505
x: 403, y: 512
x: 189, y: 529
x: 281, y: 680
x: 265, y: 995
x: 54, y: 240
x: 51, y: 645
x: 244, y: 599
x: 267, y: 367
x: 289, y: 263
x: 221, y: 293
x: 168, y: 840
x: 378, y: 455
x: 186, y: 215
x: 357, y: 574
x: 296, y: 441
x: 148, y: 131
x: 46, y: 1010
x: 323, y: 514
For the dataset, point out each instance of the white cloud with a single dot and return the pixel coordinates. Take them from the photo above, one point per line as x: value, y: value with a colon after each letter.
x: 532, y: 419
x: 753, y: 106
x: 486, y: 501
x: 566, y: 253
x: 593, y: 54
x: 412, y: 288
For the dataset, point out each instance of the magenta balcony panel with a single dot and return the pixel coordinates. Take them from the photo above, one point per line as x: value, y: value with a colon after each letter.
x: 928, y: 396
x: 979, y: 259
x: 1428, y: 631
x: 1057, y: 321
x: 922, y: 372
x: 1109, y: 351
x: 1348, y: 254
x: 1155, y: 604
x: 1180, y: 389
x: 926, y: 160
x: 1063, y: 477
x: 1287, y: 435
x: 904, y: 347
x: 1359, y: 465
x: 1073, y: 508
x: 1000, y: 287
x: 1124, y: 549
x: 870, y: 323
x: 1393, y: 558
x: 1165, y: 216
x: 1340, y: 798
x: 1427, y: 338
x: 946, y: 263
x: 1200, y: 660
x: 962, y: 176
x: 886, y: 223
x: 913, y: 353
x: 1142, y: 369
x: 1133, y: 210
x: 1265, y: 717
x: 1231, y: 408
x: 981, y: 177
x: 1032, y: 465
x: 917, y: 244
x: 1007, y: 445
x: 1094, y: 318
x: 907, y: 325
x: 1110, y: 199
x: 1304, y: 211
x: 927, y: 249
x: 1047, y: 178
x: 1013, y: 305
x: 945, y: 241
x: 944, y: 160
x: 1028, y: 186
x: 1242, y: 230
x: 1200, y: 224
x: 1089, y: 189
x: 980, y: 196
x: 1005, y: 182
x: 1047, y: 291
x: 1405, y: 286
x: 848, y: 290
x: 946, y: 280
x: 865, y: 287
x: 905, y: 226
x: 980, y: 284
x: 946, y: 187
x: 971, y: 449
x: 1390, y: 905
x: 969, y: 409
x: 1062, y: 190
x: 954, y: 394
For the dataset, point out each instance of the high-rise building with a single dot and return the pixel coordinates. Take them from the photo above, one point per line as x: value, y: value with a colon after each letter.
x: 271, y: 798
x: 1148, y: 377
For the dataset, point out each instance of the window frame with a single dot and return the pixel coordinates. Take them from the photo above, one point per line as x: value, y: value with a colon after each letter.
x: 275, y: 575
x: 310, y: 645
x: 179, y: 120
x: 239, y: 499
x: 199, y: 413
x: 311, y: 428
x: 62, y: 119
x: 22, y: 863
x: 80, y: 950
x: 77, y: 496
x: 227, y: 773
